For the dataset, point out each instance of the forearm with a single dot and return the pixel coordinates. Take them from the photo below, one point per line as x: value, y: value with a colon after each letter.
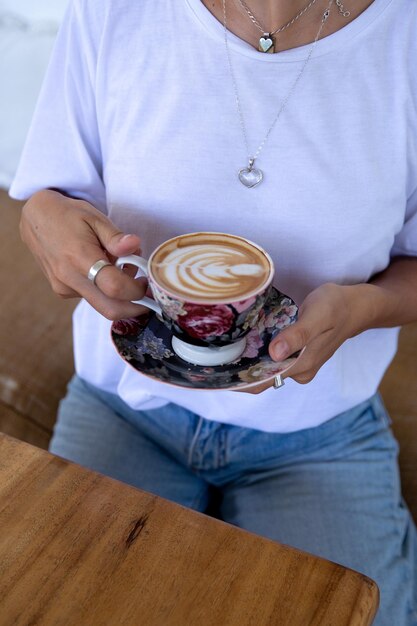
x: 389, y: 299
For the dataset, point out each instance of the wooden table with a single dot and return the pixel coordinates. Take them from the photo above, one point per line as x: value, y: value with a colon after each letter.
x: 81, y: 549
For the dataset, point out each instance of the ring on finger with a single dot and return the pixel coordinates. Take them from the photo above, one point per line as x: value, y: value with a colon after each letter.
x: 278, y: 381
x: 96, y: 268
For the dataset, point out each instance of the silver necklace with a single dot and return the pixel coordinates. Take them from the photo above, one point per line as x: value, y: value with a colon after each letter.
x: 251, y: 176
x: 341, y: 8
x: 267, y: 41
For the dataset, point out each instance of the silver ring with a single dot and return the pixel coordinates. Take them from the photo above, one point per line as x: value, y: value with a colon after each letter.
x: 95, y: 269
x: 278, y: 381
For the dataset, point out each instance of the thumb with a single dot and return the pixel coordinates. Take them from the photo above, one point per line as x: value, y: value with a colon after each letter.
x: 121, y: 245
x: 114, y: 241
x: 289, y: 340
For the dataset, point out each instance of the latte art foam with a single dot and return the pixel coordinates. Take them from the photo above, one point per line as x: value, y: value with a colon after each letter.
x: 206, y: 271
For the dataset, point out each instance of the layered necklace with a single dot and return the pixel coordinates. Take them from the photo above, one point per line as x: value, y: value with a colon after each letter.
x: 251, y: 176
x: 267, y: 41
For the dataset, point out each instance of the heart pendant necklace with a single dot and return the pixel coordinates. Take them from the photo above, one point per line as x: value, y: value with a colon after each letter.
x: 251, y: 176
x: 267, y: 41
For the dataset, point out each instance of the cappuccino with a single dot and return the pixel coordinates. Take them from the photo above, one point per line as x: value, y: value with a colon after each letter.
x: 210, y: 267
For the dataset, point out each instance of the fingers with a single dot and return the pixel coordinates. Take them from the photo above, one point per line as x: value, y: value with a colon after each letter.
x: 111, y: 308
x: 311, y: 360
x: 303, y: 371
x: 300, y: 336
x: 290, y: 340
x: 315, y: 318
x: 322, y: 326
x: 118, y: 285
x: 61, y: 290
x: 113, y: 282
x: 67, y: 237
x: 112, y: 239
x: 112, y: 292
x: 319, y: 331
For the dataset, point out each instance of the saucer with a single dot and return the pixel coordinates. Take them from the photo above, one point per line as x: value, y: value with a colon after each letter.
x: 145, y: 343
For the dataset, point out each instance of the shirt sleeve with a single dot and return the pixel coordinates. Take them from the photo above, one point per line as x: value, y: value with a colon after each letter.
x: 62, y: 149
x: 405, y: 242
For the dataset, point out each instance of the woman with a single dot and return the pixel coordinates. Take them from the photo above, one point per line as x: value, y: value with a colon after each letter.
x: 148, y: 113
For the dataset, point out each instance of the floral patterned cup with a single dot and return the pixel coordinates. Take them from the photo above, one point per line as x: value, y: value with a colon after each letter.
x: 214, y: 320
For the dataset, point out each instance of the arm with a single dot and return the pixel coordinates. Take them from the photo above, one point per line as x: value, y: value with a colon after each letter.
x: 391, y: 295
x: 332, y: 313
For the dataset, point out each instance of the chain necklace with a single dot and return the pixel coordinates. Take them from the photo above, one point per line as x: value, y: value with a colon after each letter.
x: 267, y: 41
x: 342, y: 9
x: 251, y: 176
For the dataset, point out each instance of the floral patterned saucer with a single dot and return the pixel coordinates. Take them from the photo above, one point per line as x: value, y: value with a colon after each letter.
x: 145, y: 343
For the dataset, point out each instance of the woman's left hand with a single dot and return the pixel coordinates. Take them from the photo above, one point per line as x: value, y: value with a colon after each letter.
x: 328, y: 316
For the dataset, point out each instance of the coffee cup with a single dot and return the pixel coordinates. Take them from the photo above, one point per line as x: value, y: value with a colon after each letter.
x: 209, y: 289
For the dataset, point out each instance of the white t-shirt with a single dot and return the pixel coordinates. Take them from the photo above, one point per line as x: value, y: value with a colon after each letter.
x: 137, y: 115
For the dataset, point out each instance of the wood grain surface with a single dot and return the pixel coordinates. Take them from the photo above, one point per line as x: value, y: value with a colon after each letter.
x: 77, y: 548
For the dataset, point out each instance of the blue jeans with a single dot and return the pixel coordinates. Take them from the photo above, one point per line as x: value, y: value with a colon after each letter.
x: 333, y: 490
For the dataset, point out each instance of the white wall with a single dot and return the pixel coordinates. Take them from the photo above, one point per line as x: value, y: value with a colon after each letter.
x: 27, y: 33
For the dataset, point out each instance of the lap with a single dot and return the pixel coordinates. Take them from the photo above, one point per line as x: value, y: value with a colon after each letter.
x: 89, y: 431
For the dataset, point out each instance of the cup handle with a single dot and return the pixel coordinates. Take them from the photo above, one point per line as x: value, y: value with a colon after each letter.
x: 142, y: 264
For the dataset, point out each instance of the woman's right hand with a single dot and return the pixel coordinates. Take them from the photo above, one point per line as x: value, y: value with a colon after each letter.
x: 66, y: 237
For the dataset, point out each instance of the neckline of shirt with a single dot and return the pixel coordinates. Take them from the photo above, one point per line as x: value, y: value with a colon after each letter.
x: 324, y: 46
